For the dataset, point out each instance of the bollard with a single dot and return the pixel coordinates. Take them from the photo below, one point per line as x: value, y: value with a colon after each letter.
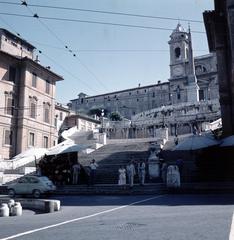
x: 4, y: 210
x: 11, y: 204
x: 17, y: 209
x: 56, y: 205
x: 49, y: 206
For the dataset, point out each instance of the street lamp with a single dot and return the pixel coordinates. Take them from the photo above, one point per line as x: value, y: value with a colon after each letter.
x: 102, y: 114
x: 163, y: 113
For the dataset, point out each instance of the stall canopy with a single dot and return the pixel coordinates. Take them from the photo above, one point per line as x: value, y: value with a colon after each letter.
x: 196, y: 142
x: 65, y: 147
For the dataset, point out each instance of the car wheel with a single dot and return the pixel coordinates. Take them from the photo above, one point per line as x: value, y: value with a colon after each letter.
x: 36, y: 193
x: 11, y: 193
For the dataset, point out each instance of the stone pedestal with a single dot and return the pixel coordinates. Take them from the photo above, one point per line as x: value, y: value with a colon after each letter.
x: 153, y: 162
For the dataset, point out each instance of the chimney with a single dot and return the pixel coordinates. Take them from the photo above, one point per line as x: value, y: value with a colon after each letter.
x: 37, y: 60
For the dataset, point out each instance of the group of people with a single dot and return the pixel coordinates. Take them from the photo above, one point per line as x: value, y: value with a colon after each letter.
x: 126, y: 175
x: 90, y: 172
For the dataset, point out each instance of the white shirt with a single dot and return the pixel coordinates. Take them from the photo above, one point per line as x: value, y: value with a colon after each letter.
x: 93, y: 166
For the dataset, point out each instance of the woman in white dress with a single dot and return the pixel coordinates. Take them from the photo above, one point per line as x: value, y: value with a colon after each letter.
x: 122, y: 176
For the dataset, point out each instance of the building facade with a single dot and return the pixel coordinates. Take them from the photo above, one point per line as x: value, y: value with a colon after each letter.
x: 192, y: 79
x: 27, y: 93
x: 219, y: 25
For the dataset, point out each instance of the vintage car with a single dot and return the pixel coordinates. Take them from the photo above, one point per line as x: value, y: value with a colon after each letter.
x: 35, y: 185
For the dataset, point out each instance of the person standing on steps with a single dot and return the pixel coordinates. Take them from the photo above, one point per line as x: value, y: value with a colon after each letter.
x: 75, y: 173
x: 142, y: 173
x: 131, y: 173
x: 122, y: 176
x: 93, y: 168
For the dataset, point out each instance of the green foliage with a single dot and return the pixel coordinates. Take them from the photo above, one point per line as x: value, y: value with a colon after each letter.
x: 115, y: 116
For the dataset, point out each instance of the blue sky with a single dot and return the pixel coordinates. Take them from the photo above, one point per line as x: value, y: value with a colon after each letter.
x: 108, y: 58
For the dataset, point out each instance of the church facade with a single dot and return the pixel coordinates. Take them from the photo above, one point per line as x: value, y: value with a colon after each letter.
x: 192, y: 79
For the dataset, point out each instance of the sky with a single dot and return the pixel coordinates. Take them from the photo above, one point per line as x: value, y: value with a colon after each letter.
x: 107, y: 57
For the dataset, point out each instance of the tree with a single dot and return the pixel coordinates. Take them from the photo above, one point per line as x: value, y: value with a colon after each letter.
x: 115, y: 116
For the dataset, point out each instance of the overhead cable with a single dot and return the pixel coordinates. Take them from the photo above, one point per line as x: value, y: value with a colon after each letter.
x: 106, y: 12
x: 94, y: 22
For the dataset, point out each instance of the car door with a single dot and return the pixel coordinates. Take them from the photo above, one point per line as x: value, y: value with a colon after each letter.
x: 22, y: 186
x: 33, y: 183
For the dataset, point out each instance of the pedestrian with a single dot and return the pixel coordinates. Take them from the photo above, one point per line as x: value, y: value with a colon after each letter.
x: 76, y: 173
x: 195, y: 131
x: 180, y: 164
x: 122, y: 176
x: 142, y: 173
x: 164, y: 171
x: 131, y: 173
x: 93, y: 168
x: 176, y: 140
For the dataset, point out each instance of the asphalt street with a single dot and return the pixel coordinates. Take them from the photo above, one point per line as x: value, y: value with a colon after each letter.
x: 163, y: 217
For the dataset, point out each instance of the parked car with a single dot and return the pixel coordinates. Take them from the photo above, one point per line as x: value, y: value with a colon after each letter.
x: 35, y: 185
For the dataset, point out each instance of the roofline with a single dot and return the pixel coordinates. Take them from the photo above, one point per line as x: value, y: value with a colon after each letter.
x: 19, y: 38
x: 58, y: 106
x: 121, y: 91
x: 208, y: 55
x: 59, y: 78
x: 84, y: 117
x: 26, y: 59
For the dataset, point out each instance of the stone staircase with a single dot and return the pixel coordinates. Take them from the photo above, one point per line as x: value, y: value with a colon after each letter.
x: 111, y: 156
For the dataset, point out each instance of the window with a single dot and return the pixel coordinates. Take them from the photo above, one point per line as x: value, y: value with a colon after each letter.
x: 8, y: 137
x: 200, y: 69
x: 177, y: 52
x: 23, y: 180
x: 31, y: 139
x: 45, y: 142
x: 9, y: 103
x: 61, y: 116
x: 33, y: 110
x: 33, y: 180
x: 178, y: 92
x: 201, y: 94
x: 33, y: 107
x: 55, y: 121
x: 46, y: 113
x: 12, y: 74
x: 34, y: 80
x: 47, y: 89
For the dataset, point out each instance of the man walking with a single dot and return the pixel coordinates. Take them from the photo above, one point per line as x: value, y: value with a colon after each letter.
x: 93, y: 168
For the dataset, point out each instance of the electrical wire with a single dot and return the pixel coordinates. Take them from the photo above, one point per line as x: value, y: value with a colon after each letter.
x: 24, y: 3
x: 94, y: 22
x: 106, y: 12
x: 55, y: 62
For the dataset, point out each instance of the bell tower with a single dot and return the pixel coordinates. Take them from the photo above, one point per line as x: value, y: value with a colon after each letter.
x: 183, y: 81
x: 179, y: 45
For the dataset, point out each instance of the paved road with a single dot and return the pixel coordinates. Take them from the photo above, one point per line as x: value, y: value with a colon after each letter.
x: 177, y: 217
